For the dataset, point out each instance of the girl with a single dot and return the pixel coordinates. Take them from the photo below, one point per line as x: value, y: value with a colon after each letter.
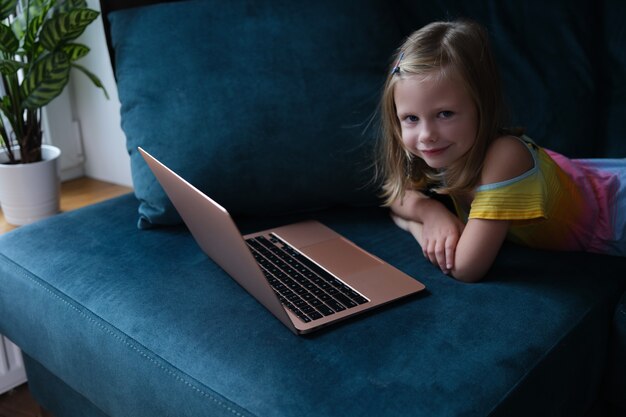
x: 443, y: 131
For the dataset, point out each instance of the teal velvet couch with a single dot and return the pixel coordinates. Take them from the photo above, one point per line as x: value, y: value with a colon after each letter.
x: 270, y: 107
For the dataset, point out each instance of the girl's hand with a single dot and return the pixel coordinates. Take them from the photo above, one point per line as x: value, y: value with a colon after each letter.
x: 435, y: 228
x: 441, y: 232
x: 439, y: 248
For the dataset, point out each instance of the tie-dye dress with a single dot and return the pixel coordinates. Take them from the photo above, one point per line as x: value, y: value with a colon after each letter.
x: 560, y: 204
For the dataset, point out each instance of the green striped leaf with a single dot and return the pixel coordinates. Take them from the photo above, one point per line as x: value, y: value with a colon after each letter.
x: 9, y: 67
x: 33, y: 27
x: 68, y: 5
x: 8, y: 40
x: 95, y: 80
x: 65, y: 27
x: 7, y: 7
x: 46, y: 80
x: 75, y: 51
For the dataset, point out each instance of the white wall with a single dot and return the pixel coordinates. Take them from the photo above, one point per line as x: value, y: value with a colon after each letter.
x: 106, y: 157
x: 61, y: 128
x: 84, y: 124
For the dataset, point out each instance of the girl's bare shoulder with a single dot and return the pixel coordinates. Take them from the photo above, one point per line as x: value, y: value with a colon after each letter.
x: 507, y: 157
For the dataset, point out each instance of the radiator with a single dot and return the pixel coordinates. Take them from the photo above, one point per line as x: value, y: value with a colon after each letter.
x: 12, y: 372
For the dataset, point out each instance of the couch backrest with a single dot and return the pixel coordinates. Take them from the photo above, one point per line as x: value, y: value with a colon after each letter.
x: 613, y: 76
x: 266, y: 105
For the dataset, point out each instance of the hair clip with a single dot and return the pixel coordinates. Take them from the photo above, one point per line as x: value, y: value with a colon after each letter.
x: 396, y: 69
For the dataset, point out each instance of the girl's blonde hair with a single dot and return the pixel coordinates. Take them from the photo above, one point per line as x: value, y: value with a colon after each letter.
x: 441, y: 48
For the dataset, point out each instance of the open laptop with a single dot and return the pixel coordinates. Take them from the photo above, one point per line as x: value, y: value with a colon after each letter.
x: 304, y: 273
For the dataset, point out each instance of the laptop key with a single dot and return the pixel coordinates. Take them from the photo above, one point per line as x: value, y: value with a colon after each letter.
x: 335, y: 305
x: 325, y: 310
x: 315, y: 315
x: 345, y: 300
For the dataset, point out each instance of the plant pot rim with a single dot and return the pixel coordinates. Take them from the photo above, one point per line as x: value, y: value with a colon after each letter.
x: 48, y: 152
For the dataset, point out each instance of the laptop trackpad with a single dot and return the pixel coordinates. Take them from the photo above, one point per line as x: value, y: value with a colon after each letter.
x: 340, y: 257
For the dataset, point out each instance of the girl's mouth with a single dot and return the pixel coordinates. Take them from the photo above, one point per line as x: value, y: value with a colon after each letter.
x: 434, y: 152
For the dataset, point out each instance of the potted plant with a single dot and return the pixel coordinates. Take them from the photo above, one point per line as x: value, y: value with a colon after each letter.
x: 37, y: 53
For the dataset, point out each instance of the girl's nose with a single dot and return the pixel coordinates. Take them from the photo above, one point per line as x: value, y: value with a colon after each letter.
x: 427, y: 133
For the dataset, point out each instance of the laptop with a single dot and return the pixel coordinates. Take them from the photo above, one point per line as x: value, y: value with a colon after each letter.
x: 305, y: 274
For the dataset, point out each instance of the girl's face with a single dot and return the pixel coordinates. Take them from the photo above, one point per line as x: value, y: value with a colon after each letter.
x: 438, y: 118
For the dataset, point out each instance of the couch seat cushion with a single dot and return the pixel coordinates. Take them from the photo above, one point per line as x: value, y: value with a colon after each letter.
x: 144, y: 324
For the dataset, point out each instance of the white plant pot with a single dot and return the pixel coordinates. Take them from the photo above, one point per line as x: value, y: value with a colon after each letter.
x: 30, y: 192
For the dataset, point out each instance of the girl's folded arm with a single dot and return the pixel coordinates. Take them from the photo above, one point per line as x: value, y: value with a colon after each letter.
x: 414, y: 206
x: 476, y: 250
x: 507, y: 158
x: 439, y: 229
x: 478, y: 246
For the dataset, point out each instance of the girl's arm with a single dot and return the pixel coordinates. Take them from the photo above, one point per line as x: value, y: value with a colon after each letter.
x: 476, y: 250
x: 478, y: 247
x: 414, y: 205
x: 506, y: 158
x: 439, y: 229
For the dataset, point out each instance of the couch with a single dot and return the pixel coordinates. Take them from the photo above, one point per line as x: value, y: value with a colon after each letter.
x: 270, y: 107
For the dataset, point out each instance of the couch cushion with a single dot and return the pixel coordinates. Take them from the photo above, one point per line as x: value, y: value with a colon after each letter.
x: 171, y: 334
x: 263, y: 106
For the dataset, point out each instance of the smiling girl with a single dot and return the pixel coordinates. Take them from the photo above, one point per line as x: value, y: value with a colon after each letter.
x: 444, y: 131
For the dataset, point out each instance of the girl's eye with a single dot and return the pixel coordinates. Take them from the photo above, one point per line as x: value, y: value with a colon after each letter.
x: 412, y: 119
x: 446, y: 114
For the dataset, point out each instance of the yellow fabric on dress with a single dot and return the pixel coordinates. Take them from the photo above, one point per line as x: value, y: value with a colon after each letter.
x: 546, y: 207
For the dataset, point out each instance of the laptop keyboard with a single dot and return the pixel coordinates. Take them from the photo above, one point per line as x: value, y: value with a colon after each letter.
x: 305, y: 288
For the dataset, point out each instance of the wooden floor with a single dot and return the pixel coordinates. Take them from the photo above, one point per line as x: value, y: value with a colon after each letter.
x: 74, y: 194
x: 78, y: 193
x: 19, y: 403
